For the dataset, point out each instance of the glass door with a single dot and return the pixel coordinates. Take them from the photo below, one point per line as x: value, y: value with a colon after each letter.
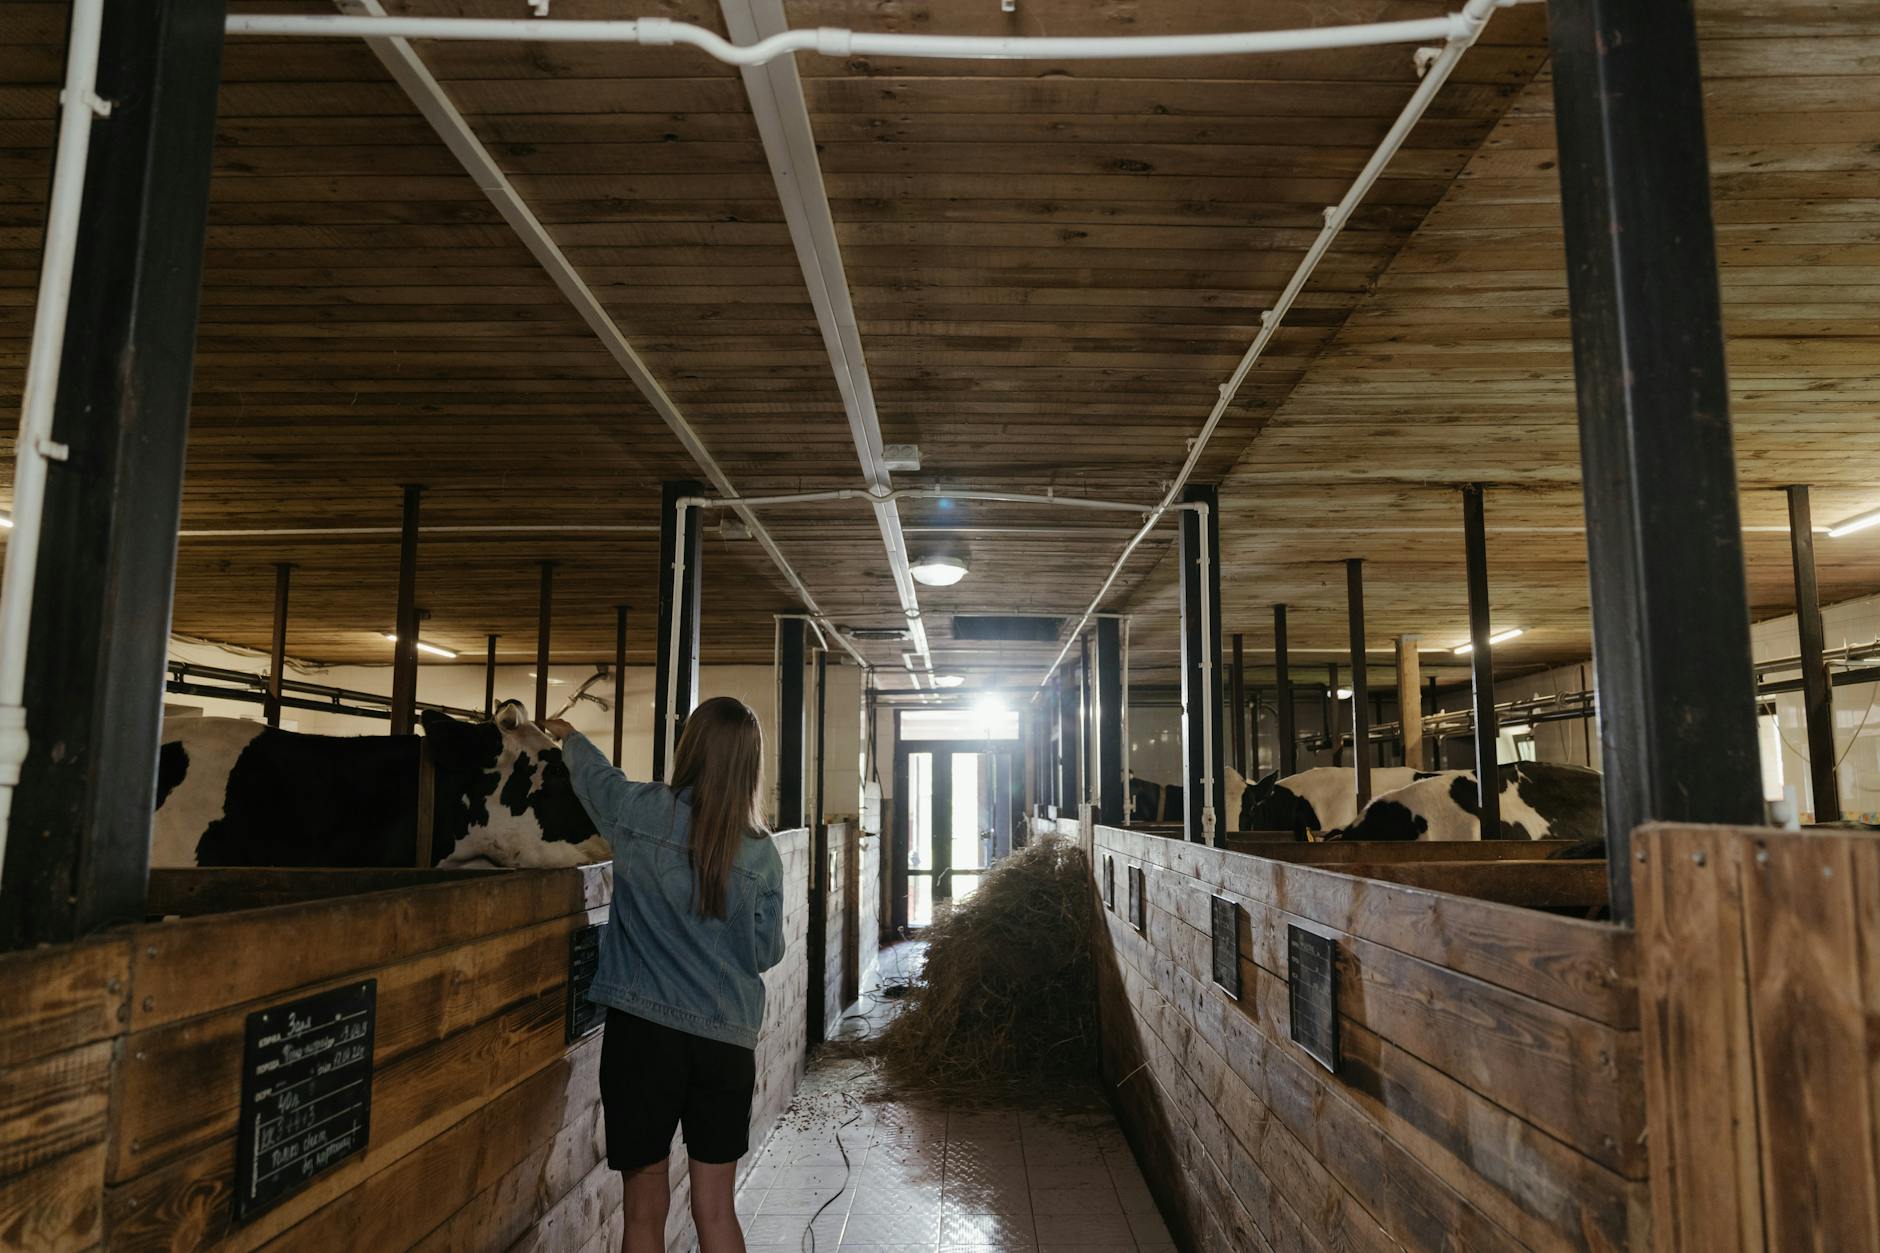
x: 957, y: 811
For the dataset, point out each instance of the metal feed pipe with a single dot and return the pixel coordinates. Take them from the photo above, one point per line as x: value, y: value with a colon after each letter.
x: 828, y: 41
x: 79, y: 106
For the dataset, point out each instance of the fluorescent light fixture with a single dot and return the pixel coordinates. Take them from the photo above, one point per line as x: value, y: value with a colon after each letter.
x: 423, y: 647
x: 6, y: 521
x: 1499, y: 637
x: 1859, y: 522
x: 552, y: 680
x: 938, y: 571
x: 1344, y: 693
x: 948, y: 680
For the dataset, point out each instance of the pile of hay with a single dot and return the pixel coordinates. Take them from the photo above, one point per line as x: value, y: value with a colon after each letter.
x: 1007, y: 1000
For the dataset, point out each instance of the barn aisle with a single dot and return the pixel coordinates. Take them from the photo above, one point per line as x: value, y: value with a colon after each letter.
x: 918, y: 1176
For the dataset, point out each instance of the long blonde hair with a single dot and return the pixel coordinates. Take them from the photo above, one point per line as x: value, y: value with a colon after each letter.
x: 721, y: 758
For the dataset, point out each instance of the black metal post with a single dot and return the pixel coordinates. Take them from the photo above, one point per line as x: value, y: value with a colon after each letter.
x: 1201, y: 661
x: 78, y: 851
x: 277, y: 652
x: 1238, y: 701
x: 1283, y: 697
x: 1086, y: 725
x: 620, y: 683
x: 405, y: 619
x: 489, y: 679
x: 1112, y: 788
x: 543, y: 617
x: 1068, y: 747
x: 792, y: 721
x: 1482, y: 663
x: 1664, y: 535
x: 686, y: 663
x: 1329, y: 714
x: 1360, y: 683
x: 818, y: 1008
x: 1817, y: 692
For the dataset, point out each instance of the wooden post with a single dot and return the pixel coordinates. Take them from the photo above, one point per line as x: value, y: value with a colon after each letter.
x: 1112, y: 787
x: 620, y: 681
x: 1671, y: 646
x: 1238, y: 700
x: 405, y: 620
x: 79, y: 837
x: 1410, y: 701
x: 1201, y: 640
x: 489, y: 680
x: 277, y: 653
x: 686, y: 607
x: 1817, y: 692
x: 792, y: 724
x: 1360, y: 683
x: 544, y: 611
x: 1283, y: 697
x: 1482, y: 663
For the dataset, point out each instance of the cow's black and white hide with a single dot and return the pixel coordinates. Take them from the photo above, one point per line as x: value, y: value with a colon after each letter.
x: 1150, y: 801
x: 237, y: 793
x: 1320, y: 799
x: 1539, y: 801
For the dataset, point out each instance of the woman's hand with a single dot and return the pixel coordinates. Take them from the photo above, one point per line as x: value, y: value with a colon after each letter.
x: 557, y: 727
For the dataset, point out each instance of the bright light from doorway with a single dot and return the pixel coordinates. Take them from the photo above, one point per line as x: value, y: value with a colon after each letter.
x: 1500, y: 637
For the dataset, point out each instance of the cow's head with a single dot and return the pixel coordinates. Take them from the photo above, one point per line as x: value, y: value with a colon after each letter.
x: 1269, y: 805
x: 504, y: 797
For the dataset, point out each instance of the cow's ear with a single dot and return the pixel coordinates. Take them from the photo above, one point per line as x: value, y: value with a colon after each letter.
x: 1263, y: 786
x: 456, y: 744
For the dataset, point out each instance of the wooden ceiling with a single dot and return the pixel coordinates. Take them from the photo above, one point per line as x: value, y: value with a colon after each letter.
x: 1053, y: 268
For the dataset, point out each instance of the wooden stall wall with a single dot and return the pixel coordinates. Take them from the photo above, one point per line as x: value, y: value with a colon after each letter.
x: 780, y: 1045
x: 1761, y: 985
x: 867, y: 912
x: 1488, y: 1091
x: 120, y: 1067
x: 838, y: 891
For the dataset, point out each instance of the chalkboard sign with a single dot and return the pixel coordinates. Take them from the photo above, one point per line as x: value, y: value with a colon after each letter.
x: 306, y: 1093
x: 1109, y: 883
x: 1138, y: 913
x: 584, y: 955
x: 1312, y: 994
x: 1225, y: 919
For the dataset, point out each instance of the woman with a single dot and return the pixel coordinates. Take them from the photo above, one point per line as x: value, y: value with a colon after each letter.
x: 696, y: 919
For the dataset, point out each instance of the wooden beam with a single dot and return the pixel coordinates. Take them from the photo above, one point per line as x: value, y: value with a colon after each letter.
x: 277, y: 653
x: 405, y: 617
x: 1664, y: 536
x: 620, y: 681
x: 1410, y: 700
x: 1817, y: 691
x: 1283, y: 697
x: 1482, y: 664
x: 543, y: 622
x: 1360, y: 684
x: 80, y: 828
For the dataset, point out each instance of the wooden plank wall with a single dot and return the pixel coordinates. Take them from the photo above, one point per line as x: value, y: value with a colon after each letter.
x: 1761, y: 999
x: 120, y: 1073
x: 867, y: 911
x: 836, y: 929
x: 1489, y: 1092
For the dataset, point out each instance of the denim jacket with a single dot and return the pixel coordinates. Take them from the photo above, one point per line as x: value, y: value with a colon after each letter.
x: 659, y: 959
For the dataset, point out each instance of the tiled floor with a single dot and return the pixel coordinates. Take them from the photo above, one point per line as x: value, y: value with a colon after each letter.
x: 921, y: 1177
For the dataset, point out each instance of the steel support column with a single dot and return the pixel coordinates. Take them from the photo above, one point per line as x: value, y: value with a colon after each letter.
x: 1238, y: 701
x: 545, y: 609
x: 686, y: 662
x: 818, y: 1008
x: 1817, y: 692
x: 489, y: 679
x: 277, y: 651
x: 1482, y: 663
x: 1360, y: 683
x: 1112, y: 790
x: 1201, y: 661
x: 1086, y: 725
x: 620, y: 683
x: 79, y: 842
x: 792, y: 721
x: 405, y: 618
x: 1288, y: 763
x: 1664, y: 534
x: 1068, y: 746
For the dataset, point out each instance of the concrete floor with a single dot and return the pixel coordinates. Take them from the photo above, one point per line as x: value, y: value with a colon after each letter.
x: 918, y: 1176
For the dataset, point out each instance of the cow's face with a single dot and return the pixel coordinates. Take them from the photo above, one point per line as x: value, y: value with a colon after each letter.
x: 1270, y: 805
x: 509, y: 799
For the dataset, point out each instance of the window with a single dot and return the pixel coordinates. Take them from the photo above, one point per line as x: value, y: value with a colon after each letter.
x: 959, y: 724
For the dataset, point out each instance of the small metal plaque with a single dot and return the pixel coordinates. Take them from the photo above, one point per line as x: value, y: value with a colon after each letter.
x: 584, y: 956
x: 1138, y: 909
x: 306, y: 1100
x: 1226, y: 919
x: 1109, y: 883
x: 1312, y: 994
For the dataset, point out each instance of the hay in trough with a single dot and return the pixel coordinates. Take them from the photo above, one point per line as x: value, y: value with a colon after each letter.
x: 1007, y: 999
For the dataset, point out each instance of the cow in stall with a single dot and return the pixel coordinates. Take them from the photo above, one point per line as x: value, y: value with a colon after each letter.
x: 237, y: 793
x: 1539, y: 801
x: 1150, y: 801
x: 1320, y: 799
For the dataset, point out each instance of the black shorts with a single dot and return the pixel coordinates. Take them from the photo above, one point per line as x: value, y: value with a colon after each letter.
x: 653, y: 1078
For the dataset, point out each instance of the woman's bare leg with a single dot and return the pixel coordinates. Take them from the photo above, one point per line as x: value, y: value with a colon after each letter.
x: 648, y: 1195
x: 714, y: 1207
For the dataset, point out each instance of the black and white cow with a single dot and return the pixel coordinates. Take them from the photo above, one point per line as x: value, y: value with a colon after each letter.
x: 1320, y: 799
x: 237, y: 793
x: 1150, y: 801
x: 1539, y: 801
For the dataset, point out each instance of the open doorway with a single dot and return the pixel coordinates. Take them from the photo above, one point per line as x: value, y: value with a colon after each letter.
x: 957, y: 803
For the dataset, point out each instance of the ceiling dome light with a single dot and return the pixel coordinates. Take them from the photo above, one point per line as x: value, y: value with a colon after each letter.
x: 948, y: 680
x: 938, y: 571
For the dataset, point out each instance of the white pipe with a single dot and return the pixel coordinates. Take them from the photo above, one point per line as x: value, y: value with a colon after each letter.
x: 35, y: 446
x: 311, y: 531
x: 1207, y: 684
x: 839, y: 43
x: 672, y: 639
x: 1469, y: 28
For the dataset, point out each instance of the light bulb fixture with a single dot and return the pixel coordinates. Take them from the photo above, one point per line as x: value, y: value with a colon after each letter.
x: 423, y: 647
x: 948, y: 680
x: 1500, y: 637
x: 937, y: 571
x: 1344, y: 693
x: 6, y: 521
x: 1847, y: 526
x: 552, y: 680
